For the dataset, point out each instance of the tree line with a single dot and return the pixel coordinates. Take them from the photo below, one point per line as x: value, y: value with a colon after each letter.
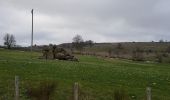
x: 78, y: 42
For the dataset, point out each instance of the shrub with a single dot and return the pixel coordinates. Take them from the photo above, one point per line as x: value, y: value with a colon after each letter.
x: 46, y: 52
x: 137, y: 55
x: 120, y: 94
x: 42, y: 92
x: 168, y: 49
x: 159, y: 58
x: 165, y: 55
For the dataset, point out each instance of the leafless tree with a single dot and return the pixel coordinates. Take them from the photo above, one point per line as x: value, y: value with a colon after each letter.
x: 78, y: 42
x: 9, y: 40
x: 54, y: 51
x: 78, y: 39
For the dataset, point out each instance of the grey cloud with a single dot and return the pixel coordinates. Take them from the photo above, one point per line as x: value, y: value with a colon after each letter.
x: 57, y: 21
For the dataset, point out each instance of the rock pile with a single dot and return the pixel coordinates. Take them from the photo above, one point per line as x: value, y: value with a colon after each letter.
x: 54, y: 52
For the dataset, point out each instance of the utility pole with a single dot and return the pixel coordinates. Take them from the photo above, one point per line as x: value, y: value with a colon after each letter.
x: 32, y: 31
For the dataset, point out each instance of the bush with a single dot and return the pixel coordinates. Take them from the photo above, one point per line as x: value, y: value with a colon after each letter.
x: 168, y: 49
x: 137, y: 55
x: 120, y: 94
x: 159, y: 58
x: 165, y: 55
x: 42, y: 92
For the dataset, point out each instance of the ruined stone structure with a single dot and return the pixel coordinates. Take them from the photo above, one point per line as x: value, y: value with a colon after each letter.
x: 54, y: 52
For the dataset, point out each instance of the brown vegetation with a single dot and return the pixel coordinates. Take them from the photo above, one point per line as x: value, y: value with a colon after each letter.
x: 41, y: 92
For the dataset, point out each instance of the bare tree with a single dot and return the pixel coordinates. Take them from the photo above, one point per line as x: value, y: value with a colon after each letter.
x: 78, y: 42
x: 54, y: 51
x: 9, y: 40
x: 78, y: 39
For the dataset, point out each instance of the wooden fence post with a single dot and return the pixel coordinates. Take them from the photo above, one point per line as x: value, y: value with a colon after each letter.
x: 148, y: 93
x: 76, y: 88
x: 16, y: 88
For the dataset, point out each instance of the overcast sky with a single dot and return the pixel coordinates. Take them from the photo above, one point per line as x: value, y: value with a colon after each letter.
x: 58, y: 21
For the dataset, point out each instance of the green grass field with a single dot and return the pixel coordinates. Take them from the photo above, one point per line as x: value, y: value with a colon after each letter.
x: 98, y: 77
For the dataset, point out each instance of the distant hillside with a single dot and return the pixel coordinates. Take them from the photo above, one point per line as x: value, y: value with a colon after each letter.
x: 130, y: 46
x: 140, y: 51
x: 128, y: 50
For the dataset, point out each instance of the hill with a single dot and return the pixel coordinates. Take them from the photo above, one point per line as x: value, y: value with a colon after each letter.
x: 152, y: 51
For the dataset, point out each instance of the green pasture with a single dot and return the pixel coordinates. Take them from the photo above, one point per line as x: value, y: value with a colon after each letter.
x: 98, y: 77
